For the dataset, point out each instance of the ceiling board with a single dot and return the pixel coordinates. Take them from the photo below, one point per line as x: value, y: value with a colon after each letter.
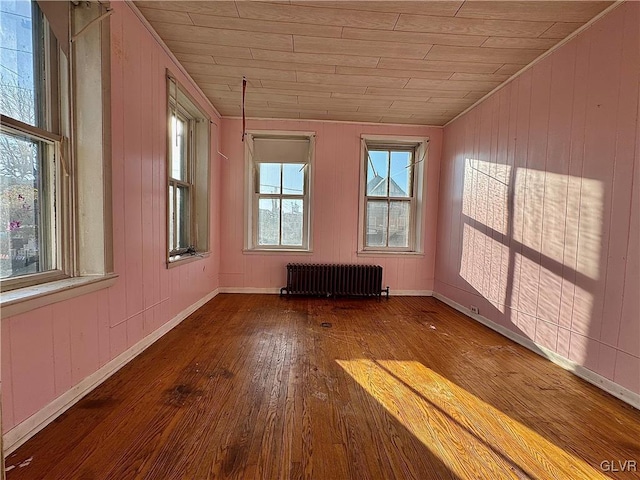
x: 178, y: 18
x: 336, y: 102
x: 439, y: 8
x: 222, y: 8
x: 491, y: 77
x: 482, y: 54
x: 414, y: 93
x: 216, y: 36
x: 265, y: 26
x: 470, y: 26
x: 318, y: 106
x: 451, y: 84
x: 275, y: 91
x: 378, y: 61
x: 224, y: 80
x: 381, y: 72
x: 294, y: 67
x: 314, y: 58
x: 364, y: 98
x: 316, y: 16
x: 475, y: 95
x: 315, y: 87
x: 177, y: 46
x: 547, y: 11
x: 560, y: 30
x: 509, y: 69
x: 254, y: 98
x: 239, y: 72
x: 359, y: 47
x: 195, y: 58
x: 510, y: 42
x: 366, y: 80
x: 438, y: 66
x: 413, y: 37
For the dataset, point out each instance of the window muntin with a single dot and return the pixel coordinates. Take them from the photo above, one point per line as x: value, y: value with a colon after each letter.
x: 389, y: 201
x: 30, y: 240
x: 280, y: 166
x: 187, y: 175
x: 281, y: 204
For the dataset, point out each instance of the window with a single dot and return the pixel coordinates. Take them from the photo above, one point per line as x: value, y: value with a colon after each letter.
x: 279, y: 167
x: 54, y: 160
x: 188, y: 175
x: 29, y: 141
x: 391, y: 194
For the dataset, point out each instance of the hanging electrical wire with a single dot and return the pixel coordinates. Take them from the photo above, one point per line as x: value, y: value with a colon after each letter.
x: 244, y: 118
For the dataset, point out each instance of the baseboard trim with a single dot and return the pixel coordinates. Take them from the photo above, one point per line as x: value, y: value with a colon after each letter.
x: 276, y: 290
x: 268, y: 290
x: 22, y: 432
x: 599, y: 381
x: 410, y: 293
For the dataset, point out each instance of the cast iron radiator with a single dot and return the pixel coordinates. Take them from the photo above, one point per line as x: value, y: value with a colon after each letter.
x: 329, y: 280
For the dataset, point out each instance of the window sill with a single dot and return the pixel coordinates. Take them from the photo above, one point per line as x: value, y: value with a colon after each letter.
x: 271, y: 251
x: 24, y: 299
x: 386, y: 253
x: 183, y: 260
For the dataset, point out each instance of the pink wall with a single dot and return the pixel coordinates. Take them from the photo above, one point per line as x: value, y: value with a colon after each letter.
x: 540, y: 202
x: 47, y: 351
x: 335, y: 193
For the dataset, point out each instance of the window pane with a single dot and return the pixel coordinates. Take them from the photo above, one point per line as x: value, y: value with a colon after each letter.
x: 377, y: 173
x: 182, y: 217
x: 376, y: 228
x: 20, y: 72
x: 292, y: 215
x: 269, y: 177
x: 178, y: 148
x: 400, y: 185
x: 399, y: 224
x: 293, y: 178
x: 26, y: 238
x: 268, y: 221
x: 171, y: 218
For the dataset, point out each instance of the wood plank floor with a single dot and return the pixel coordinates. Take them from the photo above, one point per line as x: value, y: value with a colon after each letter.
x: 255, y: 387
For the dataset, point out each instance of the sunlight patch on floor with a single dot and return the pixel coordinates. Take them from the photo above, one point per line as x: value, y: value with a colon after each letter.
x: 472, y: 438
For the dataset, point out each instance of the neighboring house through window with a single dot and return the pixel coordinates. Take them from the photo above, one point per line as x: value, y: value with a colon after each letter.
x: 391, y: 194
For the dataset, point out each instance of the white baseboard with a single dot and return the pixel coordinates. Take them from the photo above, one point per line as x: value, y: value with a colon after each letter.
x: 22, y: 432
x: 269, y: 290
x: 590, y: 376
x: 410, y: 293
x: 276, y: 290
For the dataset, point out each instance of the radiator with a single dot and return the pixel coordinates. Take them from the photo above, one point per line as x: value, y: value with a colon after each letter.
x: 334, y: 280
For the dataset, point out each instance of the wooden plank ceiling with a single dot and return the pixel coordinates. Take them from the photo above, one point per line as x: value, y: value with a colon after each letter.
x: 370, y: 61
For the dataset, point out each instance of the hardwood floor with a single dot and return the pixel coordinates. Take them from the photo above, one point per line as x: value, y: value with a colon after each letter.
x: 255, y: 387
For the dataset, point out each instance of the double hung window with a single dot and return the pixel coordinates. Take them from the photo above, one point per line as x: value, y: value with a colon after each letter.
x: 188, y: 175
x: 280, y: 167
x: 391, y: 194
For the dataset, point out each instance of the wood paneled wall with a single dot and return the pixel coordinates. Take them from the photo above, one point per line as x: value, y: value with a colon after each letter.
x: 540, y: 202
x: 45, y: 352
x: 336, y: 173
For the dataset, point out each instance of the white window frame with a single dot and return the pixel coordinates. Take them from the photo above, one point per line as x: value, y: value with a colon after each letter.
x: 252, y: 195
x: 418, y: 189
x: 197, y: 181
x: 80, y: 136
